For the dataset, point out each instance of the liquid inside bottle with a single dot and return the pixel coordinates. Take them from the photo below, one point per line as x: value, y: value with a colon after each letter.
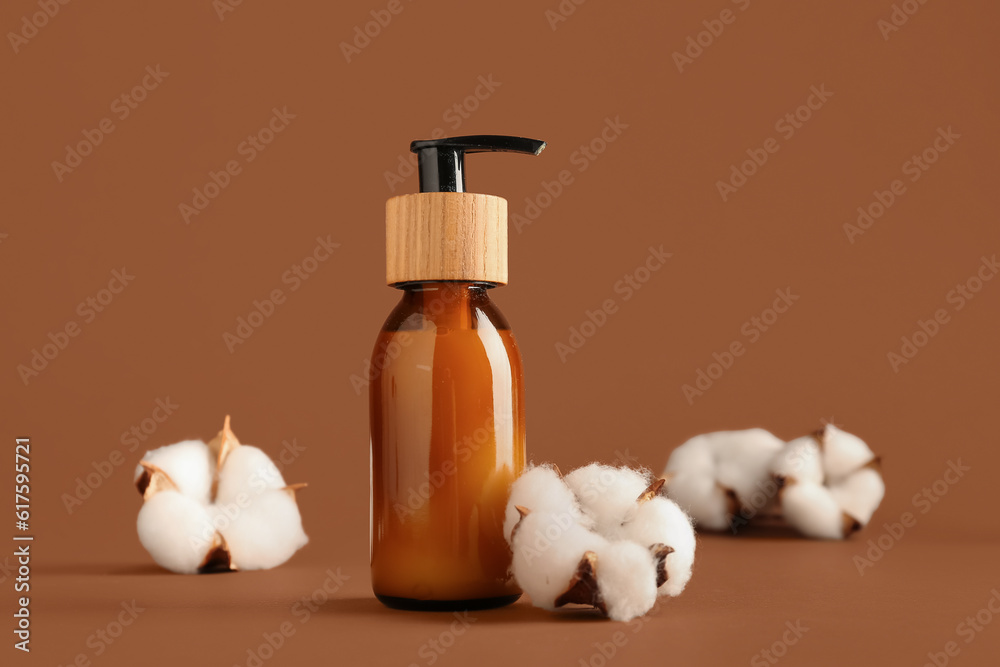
x: 447, y: 429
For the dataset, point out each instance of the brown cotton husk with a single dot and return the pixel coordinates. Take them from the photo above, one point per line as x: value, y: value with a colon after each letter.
x: 218, y: 558
x: 153, y: 480
x: 660, y: 553
x: 653, y: 490
x: 583, y: 587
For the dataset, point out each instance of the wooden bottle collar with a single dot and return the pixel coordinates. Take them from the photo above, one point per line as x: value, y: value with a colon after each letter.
x: 446, y: 236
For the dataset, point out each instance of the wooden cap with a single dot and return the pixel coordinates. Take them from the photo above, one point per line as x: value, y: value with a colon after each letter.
x: 446, y: 236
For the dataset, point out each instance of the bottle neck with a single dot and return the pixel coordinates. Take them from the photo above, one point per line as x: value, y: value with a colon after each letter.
x: 447, y: 303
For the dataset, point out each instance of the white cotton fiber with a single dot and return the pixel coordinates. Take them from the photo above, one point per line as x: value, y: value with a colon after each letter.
x: 176, y: 530
x: 188, y: 463
x: 800, y: 460
x: 266, y: 533
x: 701, y: 497
x: 247, y: 470
x: 240, y: 511
x: 843, y: 452
x: 611, y: 512
x: 547, y: 550
x: 701, y: 471
x: 859, y: 494
x: 831, y: 481
x: 661, y: 521
x: 742, y: 460
x: 626, y: 577
x: 607, y: 494
x: 812, y: 510
x: 539, y: 489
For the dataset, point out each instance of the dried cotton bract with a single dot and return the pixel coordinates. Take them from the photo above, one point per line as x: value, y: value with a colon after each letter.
x: 217, y: 506
x: 599, y: 536
x: 826, y: 485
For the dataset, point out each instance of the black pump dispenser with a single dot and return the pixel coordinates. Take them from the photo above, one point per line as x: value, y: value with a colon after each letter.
x: 441, y: 162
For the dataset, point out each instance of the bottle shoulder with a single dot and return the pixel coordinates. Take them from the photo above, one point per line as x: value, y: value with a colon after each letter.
x: 445, y: 309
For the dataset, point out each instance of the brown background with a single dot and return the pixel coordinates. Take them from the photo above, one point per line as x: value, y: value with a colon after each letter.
x: 324, y: 175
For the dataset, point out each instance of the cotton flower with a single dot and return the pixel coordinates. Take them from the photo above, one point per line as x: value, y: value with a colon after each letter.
x: 831, y: 483
x: 601, y: 536
x: 826, y: 485
x: 715, y: 475
x: 216, y: 506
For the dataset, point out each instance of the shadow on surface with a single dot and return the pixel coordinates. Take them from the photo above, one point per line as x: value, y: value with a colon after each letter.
x: 108, y: 569
x: 520, y: 612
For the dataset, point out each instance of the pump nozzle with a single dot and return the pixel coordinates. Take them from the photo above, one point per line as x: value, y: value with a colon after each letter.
x: 441, y: 162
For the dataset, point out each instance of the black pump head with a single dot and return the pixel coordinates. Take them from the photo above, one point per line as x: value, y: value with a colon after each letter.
x: 441, y: 162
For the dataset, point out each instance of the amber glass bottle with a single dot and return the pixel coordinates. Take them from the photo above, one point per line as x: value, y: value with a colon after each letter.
x: 447, y: 394
x: 447, y: 425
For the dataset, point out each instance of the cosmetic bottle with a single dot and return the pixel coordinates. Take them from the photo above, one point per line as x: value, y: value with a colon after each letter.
x: 446, y: 392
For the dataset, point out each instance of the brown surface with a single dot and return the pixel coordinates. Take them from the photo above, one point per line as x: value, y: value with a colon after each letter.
x: 322, y: 177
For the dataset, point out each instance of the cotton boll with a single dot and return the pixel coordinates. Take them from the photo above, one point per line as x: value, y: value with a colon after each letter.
x: 247, y: 470
x: 540, y: 489
x: 607, y: 494
x: 266, y: 532
x: 626, y: 578
x: 800, y: 460
x: 859, y: 494
x: 198, y: 496
x: 743, y: 458
x: 189, y: 464
x: 177, y: 531
x: 713, y: 474
x: 701, y: 497
x: 547, y: 549
x: 843, y: 452
x: 661, y: 521
x: 696, y: 456
x: 812, y: 510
